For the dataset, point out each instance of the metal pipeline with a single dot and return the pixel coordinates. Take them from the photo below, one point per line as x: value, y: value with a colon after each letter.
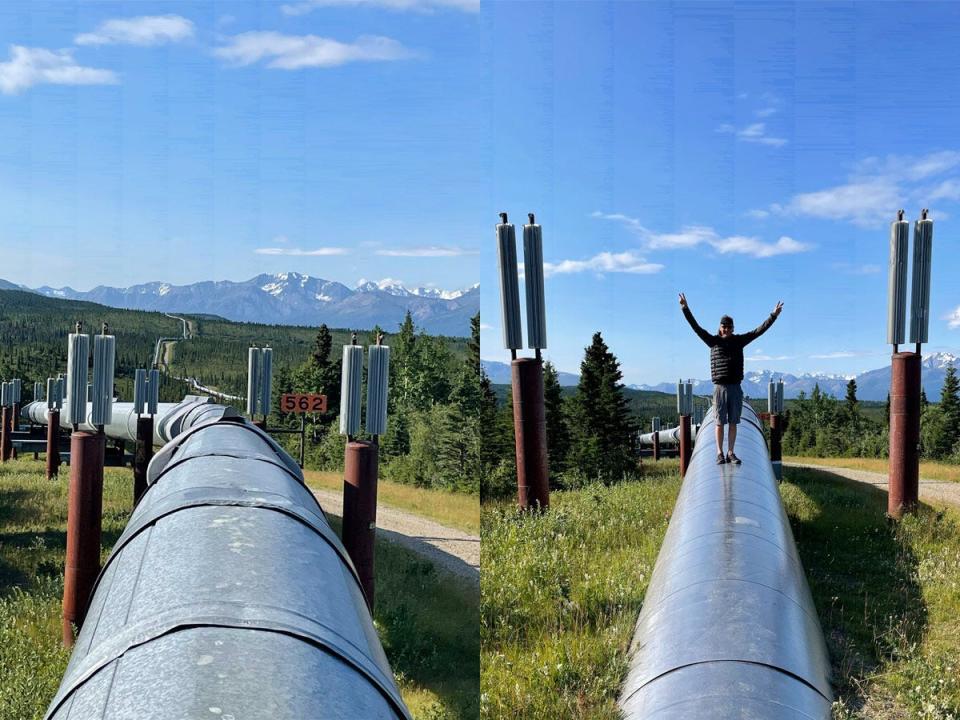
x: 670, y: 436
x: 728, y: 627
x: 227, y: 595
x: 171, y: 418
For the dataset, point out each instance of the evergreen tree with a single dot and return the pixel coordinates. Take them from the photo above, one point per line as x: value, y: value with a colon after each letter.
x: 950, y: 407
x: 853, y: 408
x: 558, y: 434
x: 602, y: 431
x: 923, y: 399
x: 886, y: 410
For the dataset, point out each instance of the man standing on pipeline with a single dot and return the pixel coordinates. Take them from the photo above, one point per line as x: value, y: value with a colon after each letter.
x: 726, y: 371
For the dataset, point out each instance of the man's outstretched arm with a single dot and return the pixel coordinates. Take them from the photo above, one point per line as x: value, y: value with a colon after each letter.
x: 749, y: 337
x: 704, y: 335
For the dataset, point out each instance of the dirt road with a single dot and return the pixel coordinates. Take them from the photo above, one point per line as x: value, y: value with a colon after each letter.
x: 935, y: 491
x: 449, y: 548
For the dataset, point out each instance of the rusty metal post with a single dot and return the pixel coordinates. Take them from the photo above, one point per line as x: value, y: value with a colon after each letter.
x: 686, y: 444
x: 656, y: 445
x: 530, y: 433
x: 143, y: 453
x: 5, y: 438
x: 53, y: 444
x: 85, y: 507
x: 360, y: 510
x: 13, y: 428
x: 776, y: 453
x: 904, y: 434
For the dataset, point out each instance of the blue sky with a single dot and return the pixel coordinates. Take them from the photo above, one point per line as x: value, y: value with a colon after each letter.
x: 741, y: 152
x: 181, y: 142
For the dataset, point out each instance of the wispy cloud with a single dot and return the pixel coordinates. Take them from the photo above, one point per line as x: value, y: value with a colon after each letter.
x: 753, y: 133
x: 834, y: 355
x: 624, y: 262
x: 293, y: 52
x: 429, y: 251
x: 317, y: 252
x: 143, y: 30
x: 953, y: 319
x: 38, y: 66
x: 766, y: 358
x: 421, y: 6
x: 484, y: 326
x: 878, y: 187
x: 696, y: 235
x: 854, y: 269
x: 765, y: 112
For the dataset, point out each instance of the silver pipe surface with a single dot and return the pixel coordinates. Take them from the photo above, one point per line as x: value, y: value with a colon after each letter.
x: 227, y: 595
x: 728, y: 628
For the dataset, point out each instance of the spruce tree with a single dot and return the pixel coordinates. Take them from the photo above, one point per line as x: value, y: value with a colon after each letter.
x: 853, y: 408
x: 602, y: 431
x: 950, y: 407
x: 558, y: 434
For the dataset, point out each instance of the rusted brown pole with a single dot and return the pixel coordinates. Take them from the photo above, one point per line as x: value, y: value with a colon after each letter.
x: 686, y: 444
x: 904, y: 434
x: 5, y: 438
x: 776, y: 456
x: 85, y: 507
x: 142, y: 456
x: 656, y: 445
x: 360, y: 510
x: 53, y: 444
x: 530, y: 433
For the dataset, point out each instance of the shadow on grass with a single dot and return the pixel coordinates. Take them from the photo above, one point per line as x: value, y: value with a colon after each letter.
x: 862, y: 575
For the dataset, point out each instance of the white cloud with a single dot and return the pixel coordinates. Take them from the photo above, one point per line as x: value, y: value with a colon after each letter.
x: 765, y: 112
x: 853, y: 269
x: 316, y: 252
x: 833, y: 355
x: 422, y: 6
x: 695, y: 235
x: 625, y: 262
x: 293, y: 52
x: 878, y: 187
x: 758, y: 214
x: 761, y: 357
x: 429, y: 251
x: 484, y: 326
x: 143, y: 30
x: 753, y: 133
x: 953, y: 319
x: 37, y: 66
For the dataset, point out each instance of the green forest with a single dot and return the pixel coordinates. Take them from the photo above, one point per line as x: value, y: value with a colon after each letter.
x: 592, y: 428
x: 432, y: 437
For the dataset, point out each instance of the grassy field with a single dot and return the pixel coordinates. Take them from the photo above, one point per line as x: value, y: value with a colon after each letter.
x: 427, y: 621
x: 560, y: 594
x: 458, y: 510
x: 929, y: 470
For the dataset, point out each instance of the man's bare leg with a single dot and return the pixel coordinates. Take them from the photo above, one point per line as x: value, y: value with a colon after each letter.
x: 731, y: 437
x: 719, y: 439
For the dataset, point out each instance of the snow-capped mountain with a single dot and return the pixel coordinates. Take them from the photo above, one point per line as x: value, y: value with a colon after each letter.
x: 293, y: 299
x: 871, y: 385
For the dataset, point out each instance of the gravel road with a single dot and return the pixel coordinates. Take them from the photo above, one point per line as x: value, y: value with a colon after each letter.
x: 938, y: 491
x: 451, y: 549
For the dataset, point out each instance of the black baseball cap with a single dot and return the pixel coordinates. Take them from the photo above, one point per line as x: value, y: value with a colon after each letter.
x: 726, y: 320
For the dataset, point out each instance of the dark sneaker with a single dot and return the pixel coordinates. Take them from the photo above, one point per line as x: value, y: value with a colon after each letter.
x: 731, y: 458
x: 721, y: 460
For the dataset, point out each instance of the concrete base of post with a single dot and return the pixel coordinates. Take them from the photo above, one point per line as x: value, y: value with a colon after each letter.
x: 143, y: 453
x: 53, y: 444
x: 904, y: 487
x: 84, y: 511
x: 776, y: 453
x: 530, y: 434
x: 360, y: 510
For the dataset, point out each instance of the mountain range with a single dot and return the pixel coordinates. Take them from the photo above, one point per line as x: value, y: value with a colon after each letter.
x: 292, y: 299
x: 871, y: 385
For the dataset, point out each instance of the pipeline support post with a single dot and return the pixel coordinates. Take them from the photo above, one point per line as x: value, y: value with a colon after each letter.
x: 5, y: 438
x: 530, y: 433
x: 84, y: 512
x: 776, y: 452
x: 53, y: 444
x: 656, y: 445
x: 904, y: 486
x: 143, y: 453
x: 360, y: 510
x: 13, y: 428
x: 686, y: 444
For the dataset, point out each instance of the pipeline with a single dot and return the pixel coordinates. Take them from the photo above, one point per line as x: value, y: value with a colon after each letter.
x: 171, y: 418
x: 670, y: 436
x: 227, y: 595
x: 728, y: 627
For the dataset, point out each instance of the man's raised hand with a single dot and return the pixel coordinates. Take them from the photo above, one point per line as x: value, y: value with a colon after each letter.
x: 777, y: 310
x: 683, y: 300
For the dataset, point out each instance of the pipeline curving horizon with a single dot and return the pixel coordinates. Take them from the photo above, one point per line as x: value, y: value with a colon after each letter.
x: 728, y: 628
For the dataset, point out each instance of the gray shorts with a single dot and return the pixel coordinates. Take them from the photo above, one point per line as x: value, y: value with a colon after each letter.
x: 727, y: 401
